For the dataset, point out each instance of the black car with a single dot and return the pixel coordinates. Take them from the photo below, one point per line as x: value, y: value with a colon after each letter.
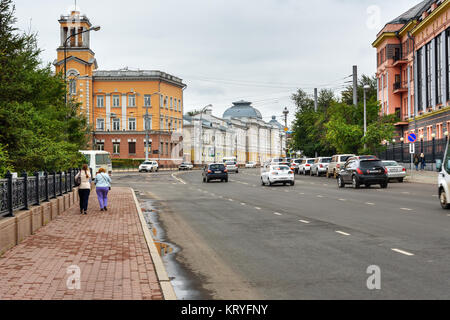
x: 215, y: 171
x: 365, y: 171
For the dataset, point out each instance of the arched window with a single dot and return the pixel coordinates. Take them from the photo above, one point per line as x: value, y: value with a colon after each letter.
x: 73, y: 86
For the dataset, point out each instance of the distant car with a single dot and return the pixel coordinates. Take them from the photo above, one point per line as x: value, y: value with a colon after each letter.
x: 232, y: 166
x: 272, y: 174
x: 149, y: 166
x: 185, y: 166
x: 337, y: 162
x: 295, y: 163
x: 395, y: 171
x: 215, y: 171
x: 275, y: 161
x: 305, y: 166
x: 363, y: 172
x: 320, y: 166
x: 250, y: 164
x: 443, y: 167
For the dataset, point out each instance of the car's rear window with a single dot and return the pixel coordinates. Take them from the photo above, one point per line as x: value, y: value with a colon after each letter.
x: 311, y: 161
x: 390, y: 163
x: 371, y: 163
x: 282, y: 168
x: 326, y: 160
x: 217, y: 167
x: 345, y: 158
x: 298, y: 161
x: 230, y: 163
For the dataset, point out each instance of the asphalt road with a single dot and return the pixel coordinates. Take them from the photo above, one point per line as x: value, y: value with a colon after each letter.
x: 240, y: 240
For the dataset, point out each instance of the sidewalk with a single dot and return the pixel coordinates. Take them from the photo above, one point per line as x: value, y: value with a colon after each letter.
x: 429, y: 177
x: 108, y: 247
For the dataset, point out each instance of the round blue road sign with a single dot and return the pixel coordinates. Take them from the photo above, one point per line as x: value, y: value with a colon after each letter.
x: 412, y: 137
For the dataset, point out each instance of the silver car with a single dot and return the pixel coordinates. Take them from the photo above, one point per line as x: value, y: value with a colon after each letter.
x: 232, y: 166
x: 320, y: 166
x: 395, y: 171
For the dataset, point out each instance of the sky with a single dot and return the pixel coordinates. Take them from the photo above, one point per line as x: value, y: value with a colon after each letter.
x: 227, y: 50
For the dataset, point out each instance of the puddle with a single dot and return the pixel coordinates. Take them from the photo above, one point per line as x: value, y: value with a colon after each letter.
x: 181, y: 279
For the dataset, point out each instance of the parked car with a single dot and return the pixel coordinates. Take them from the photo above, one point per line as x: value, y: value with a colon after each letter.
x: 186, y: 166
x: 272, y: 174
x: 149, y: 166
x: 250, y: 164
x: 305, y: 166
x: 232, y: 166
x: 320, y: 166
x: 444, y: 179
x: 295, y: 163
x: 215, y: 171
x: 337, y: 162
x: 363, y: 171
x: 395, y: 171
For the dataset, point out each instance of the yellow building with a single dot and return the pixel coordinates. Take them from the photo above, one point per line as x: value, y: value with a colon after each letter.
x: 115, y: 102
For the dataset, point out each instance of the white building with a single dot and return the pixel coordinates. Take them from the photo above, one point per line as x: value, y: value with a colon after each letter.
x: 241, y: 133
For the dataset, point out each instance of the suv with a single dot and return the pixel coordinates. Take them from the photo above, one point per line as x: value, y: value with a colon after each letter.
x: 149, y: 166
x: 215, y: 171
x: 295, y: 163
x: 320, y: 166
x: 185, y: 166
x: 363, y: 171
x: 232, y: 166
x: 444, y: 179
x: 305, y: 166
x: 337, y: 162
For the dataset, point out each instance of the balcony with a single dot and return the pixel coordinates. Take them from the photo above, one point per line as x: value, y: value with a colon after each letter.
x: 399, y: 60
x: 400, y: 87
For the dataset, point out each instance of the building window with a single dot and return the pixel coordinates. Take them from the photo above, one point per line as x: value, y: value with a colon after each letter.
x: 161, y: 151
x: 171, y: 103
x: 116, y: 147
x: 132, y: 124
x: 116, y: 124
x: 73, y: 87
x: 428, y: 58
x: 179, y: 106
x: 166, y: 102
x: 438, y: 69
x: 161, y: 102
x: 132, y: 147
x: 100, y: 124
x: 116, y: 101
x: 161, y: 123
x: 100, y: 146
x: 429, y: 133
x: 132, y: 101
x: 147, y: 101
x: 419, y: 80
x: 439, y: 131
x: 100, y: 101
x: 175, y: 125
x: 167, y: 123
x: 420, y: 134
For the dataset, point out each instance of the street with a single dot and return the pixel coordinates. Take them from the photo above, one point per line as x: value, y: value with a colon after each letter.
x: 240, y: 240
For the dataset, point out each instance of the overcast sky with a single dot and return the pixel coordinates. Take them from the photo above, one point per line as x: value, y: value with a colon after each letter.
x: 227, y: 50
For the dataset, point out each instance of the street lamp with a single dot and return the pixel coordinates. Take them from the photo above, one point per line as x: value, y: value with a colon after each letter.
x: 366, y: 87
x: 206, y: 108
x: 147, y: 127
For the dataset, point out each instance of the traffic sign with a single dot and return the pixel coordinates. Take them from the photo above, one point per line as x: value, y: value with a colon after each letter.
x: 286, y: 129
x: 412, y: 148
x: 412, y: 137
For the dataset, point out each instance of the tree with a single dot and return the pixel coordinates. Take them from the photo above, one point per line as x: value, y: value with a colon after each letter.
x: 5, y: 163
x: 347, y: 94
x: 39, y: 131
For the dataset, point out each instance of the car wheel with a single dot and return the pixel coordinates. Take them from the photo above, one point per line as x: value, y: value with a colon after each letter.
x: 443, y: 199
x: 204, y: 180
x: 367, y: 185
x: 334, y: 174
x: 400, y: 180
x: 317, y: 173
x: 207, y: 180
x: 384, y: 185
x: 355, y: 183
x: 340, y: 182
x: 304, y: 172
x: 292, y: 183
x: 262, y: 182
x: 270, y: 183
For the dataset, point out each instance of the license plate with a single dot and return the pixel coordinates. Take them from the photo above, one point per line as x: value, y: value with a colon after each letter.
x: 218, y: 171
x: 374, y: 171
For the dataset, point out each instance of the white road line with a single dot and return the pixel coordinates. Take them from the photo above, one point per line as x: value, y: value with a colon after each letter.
x: 286, y: 190
x: 244, y: 204
x: 277, y: 214
x: 406, y: 209
x: 402, y: 252
x: 231, y: 200
x: 180, y: 180
x: 319, y: 196
x: 257, y: 208
x: 245, y: 183
x: 304, y: 221
x: 370, y: 203
x: 342, y: 199
x: 301, y: 193
x: 343, y: 233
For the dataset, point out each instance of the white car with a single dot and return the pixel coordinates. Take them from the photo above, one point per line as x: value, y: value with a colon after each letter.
x: 395, y: 171
x: 444, y: 179
x: 295, y: 163
x: 272, y: 174
x: 250, y: 164
x: 305, y: 166
x: 149, y: 166
x: 232, y: 166
x: 186, y: 166
x: 320, y: 166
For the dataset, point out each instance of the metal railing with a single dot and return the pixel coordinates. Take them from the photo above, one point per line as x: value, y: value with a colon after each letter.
x: 25, y: 191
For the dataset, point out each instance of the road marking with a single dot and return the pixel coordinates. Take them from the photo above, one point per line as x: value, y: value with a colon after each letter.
x: 342, y: 199
x: 277, y: 214
x: 325, y: 184
x: 257, y: 208
x: 221, y: 197
x: 179, y: 179
x: 370, y: 203
x: 304, y: 221
x: 286, y: 190
x: 402, y: 252
x: 230, y: 200
x: 319, y: 196
x: 406, y: 209
x: 406, y: 192
x: 254, y: 185
x: 302, y: 193
x: 245, y: 183
x: 343, y: 233
x: 243, y: 204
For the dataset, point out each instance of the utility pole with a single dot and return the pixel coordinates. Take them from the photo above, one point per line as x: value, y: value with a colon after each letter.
x: 146, y: 134
x: 355, y: 85
x: 315, y: 99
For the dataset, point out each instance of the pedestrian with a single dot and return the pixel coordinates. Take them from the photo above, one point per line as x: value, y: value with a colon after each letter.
x: 84, y: 190
x: 416, y: 162
x: 422, y: 161
x: 103, y: 184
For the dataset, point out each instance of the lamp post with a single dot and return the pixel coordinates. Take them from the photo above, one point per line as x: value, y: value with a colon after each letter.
x: 147, y: 126
x: 446, y: 136
x: 95, y: 28
x: 401, y: 141
x: 421, y: 143
x: 208, y: 107
x: 366, y: 87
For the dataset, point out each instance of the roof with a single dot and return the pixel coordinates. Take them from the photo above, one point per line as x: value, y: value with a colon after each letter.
x: 274, y: 122
x: 412, y: 13
x: 125, y: 74
x: 242, y: 109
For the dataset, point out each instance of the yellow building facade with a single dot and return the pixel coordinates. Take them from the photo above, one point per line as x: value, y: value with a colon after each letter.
x: 116, y: 102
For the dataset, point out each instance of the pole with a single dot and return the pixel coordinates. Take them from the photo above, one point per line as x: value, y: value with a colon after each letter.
x: 355, y: 85
x: 365, y: 119
x: 315, y: 99
x: 146, y: 134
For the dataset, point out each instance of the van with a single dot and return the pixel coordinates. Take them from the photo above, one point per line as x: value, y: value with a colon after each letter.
x: 337, y: 163
x: 98, y: 159
x: 443, y: 167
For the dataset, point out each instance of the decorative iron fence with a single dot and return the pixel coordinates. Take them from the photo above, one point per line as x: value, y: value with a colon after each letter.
x: 25, y: 191
x: 432, y: 149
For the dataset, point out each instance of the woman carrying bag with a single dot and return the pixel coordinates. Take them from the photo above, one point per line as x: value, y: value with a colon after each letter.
x: 83, y: 179
x: 103, y: 184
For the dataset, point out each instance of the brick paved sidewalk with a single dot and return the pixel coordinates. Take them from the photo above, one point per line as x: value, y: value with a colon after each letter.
x: 429, y: 177
x: 108, y: 247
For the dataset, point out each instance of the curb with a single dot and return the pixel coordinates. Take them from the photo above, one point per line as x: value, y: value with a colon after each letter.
x: 164, y: 281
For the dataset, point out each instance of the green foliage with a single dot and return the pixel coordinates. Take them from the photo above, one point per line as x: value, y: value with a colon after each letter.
x: 38, y: 129
x: 126, y: 163
x: 5, y: 163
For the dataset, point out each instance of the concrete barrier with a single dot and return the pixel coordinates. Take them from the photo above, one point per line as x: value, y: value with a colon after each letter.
x: 36, y: 217
x: 24, y: 225
x: 8, y: 234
